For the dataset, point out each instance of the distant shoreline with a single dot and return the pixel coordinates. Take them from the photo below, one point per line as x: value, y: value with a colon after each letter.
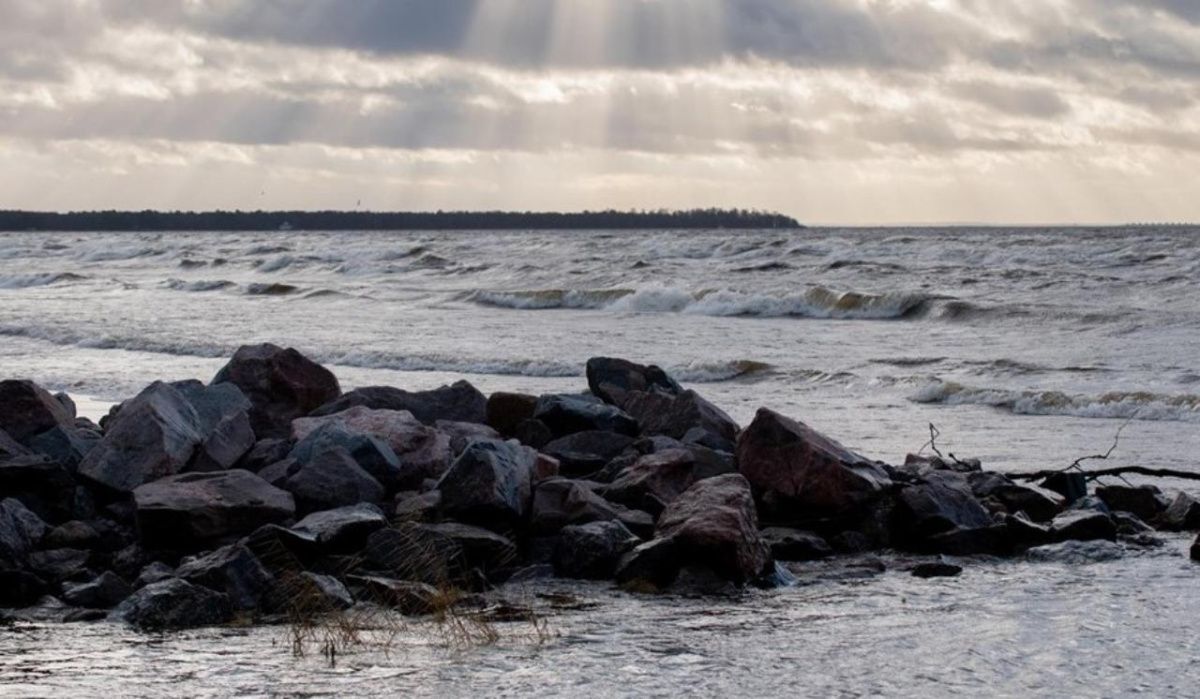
x: 695, y: 219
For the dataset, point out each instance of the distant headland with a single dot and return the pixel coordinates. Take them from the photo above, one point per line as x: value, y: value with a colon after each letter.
x: 396, y: 221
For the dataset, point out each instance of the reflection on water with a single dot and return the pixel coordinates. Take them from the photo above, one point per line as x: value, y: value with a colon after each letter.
x: 1012, y: 628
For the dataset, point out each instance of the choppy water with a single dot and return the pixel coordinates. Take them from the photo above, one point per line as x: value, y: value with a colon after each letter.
x: 1028, y: 348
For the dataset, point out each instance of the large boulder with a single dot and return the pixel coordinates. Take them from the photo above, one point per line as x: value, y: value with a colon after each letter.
x: 21, y: 531
x: 612, y: 379
x: 102, y: 592
x: 939, y: 513
x: 1040, y: 504
x: 372, y: 454
x: 1083, y: 525
x: 582, y: 453
x: 490, y: 484
x: 1145, y: 501
x: 173, y: 604
x: 232, y: 570
x: 196, y: 509
x: 799, y: 474
x: 654, y: 480
x: 422, y: 451
x: 559, y: 502
x: 282, y: 385
x: 714, y: 525
x: 68, y: 446
x: 460, y: 402
x: 345, y: 529
x: 224, y: 424
x: 27, y: 409
x: 154, y: 435
x: 566, y: 414
x: 593, y: 550
x: 330, y: 479
x: 41, y: 484
x: 11, y: 448
x: 506, y: 411
x: 686, y: 415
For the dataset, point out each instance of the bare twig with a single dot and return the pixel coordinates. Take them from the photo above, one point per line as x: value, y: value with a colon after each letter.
x: 1115, y: 471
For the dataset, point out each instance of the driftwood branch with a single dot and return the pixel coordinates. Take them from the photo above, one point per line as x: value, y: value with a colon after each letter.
x: 1116, y: 471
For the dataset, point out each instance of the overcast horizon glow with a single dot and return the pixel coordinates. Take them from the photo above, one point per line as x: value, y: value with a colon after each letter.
x: 832, y: 111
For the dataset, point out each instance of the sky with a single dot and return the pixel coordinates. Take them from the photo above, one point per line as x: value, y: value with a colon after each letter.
x: 833, y: 111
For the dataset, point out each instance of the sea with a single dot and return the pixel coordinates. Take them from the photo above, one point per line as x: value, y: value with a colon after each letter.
x: 1027, y: 348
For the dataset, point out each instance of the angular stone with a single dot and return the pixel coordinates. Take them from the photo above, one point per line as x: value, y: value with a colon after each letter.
x: 420, y: 507
x: 196, y: 509
x: 282, y: 385
x: 1083, y: 525
x: 559, y: 502
x: 1145, y: 501
x: 651, y: 566
x: 152, y: 573
x: 345, y: 529
x: 73, y: 534
x: 421, y: 451
x: 593, y: 550
x: 582, y: 453
x: 1040, y: 504
x: 460, y: 402
x: 677, y: 416
x: 800, y: 474
x: 310, y: 592
x: 68, y: 446
x: 795, y: 545
x: 224, y: 425
x: 57, y: 565
x: 10, y: 448
x: 21, y: 531
x: 463, y: 433
x: 405, y: 596
x: 370, y: 453
x: 282, y: 550
x: 233, y: 570
x: 505, y: 411
x: 1182, y: 515
x: 104, y: 592
x: 173, y: 604
x: 612, y: 379
x: 330, y: 479
x: 44, y: 486
x: 264, y: 453
x: 939, y: 569
x: 491, y: 554
x: 715, y: 525
x: 1023, y: 532
x: 153, y: 436
x: 944, y: 502
x: 490, y: 484
x: 654, y: 481
x: 565, y: 414
x: 27, y: 409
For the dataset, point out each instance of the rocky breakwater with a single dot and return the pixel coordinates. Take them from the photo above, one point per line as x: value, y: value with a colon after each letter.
x: 269, y: 489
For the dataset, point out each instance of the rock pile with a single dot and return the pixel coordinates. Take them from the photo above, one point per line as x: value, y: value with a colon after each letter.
x: 269, y: 488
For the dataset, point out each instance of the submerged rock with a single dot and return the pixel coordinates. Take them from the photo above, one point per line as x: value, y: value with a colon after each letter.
x: 1083, y: 525
x: 714, y: 525
x: 232, y: 570
x: 939, y: 569
x: 197, y: 509
x: 282, y: 385
x: 459, y: 402
x: 1077, y: 552
x: 173, y: 604
x: 798, y: 473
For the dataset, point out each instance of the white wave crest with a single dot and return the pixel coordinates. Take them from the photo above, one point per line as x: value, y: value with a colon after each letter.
x: 1127, y: 405
x: 203, y: 285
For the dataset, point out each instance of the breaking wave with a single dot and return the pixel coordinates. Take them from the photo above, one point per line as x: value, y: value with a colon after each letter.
x: 25, y: 281
x: 817, y: 302
x: 203, y: 285
x: 1128, y: 405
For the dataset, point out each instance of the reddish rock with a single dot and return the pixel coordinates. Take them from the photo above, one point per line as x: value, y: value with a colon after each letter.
x: 800, y: 473
x: 612, y: 379
x: 199, y: 509
x: 27, y: 410
x: 507, y: 410
x: 282, y: 385
x: 423, y: 451
x: 714, y: 524
x: 654, y: 480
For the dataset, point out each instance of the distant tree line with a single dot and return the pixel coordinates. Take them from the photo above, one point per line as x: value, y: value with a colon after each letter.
x: 392, y: 221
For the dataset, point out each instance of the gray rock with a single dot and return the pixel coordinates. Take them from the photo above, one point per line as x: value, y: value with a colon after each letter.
x: 58, y: 565
x: 654, y: 481
x: 345, y: 529
x: 1182, y: 515
x: 943, y: 503
x: 152, y: 573
x: 233, y: 570
x: 21, y: 531
x: 224, y: 425
x: 193, y: 510
x: 173, y: 604
x: 565, y: 414
x: 490, y: 484
x: 480, y: 549
x: 405, y: 596
x: 282, y: 385
x: 1083, y: 525
x: 1196, y: 550
x: 559, y: 502
x: 316, y: 593
x: 1145, y: 501
x: 10, y: 447
x: 582, y: 453
x: 419, y: 507
x: 103, y: 592
x: 44, y: 486
x: 1039, y: 504
x: 684, y: 415
x: 30, y: 410
x: 459, y: 402
x: 330, y: 479
x: 372, y: 454
x: 612, y: 379
x: 939, y: 569
x: 592, y: 551
x: 650, y: 567
x: 1077, y: 552
x: 715, y: 525
x: 264, y: 453
x: 68, y: 446
x: 153, y: 436
x: 463, y: 433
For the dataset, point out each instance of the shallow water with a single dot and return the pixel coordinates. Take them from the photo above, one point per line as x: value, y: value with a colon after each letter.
x: 1028, y: 348
x: 1003, y: 628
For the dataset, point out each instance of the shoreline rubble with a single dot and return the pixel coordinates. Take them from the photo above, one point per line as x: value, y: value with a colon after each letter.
x: 271, y: 489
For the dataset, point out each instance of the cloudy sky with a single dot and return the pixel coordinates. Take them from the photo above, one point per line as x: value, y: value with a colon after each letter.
x: 834, y: 111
